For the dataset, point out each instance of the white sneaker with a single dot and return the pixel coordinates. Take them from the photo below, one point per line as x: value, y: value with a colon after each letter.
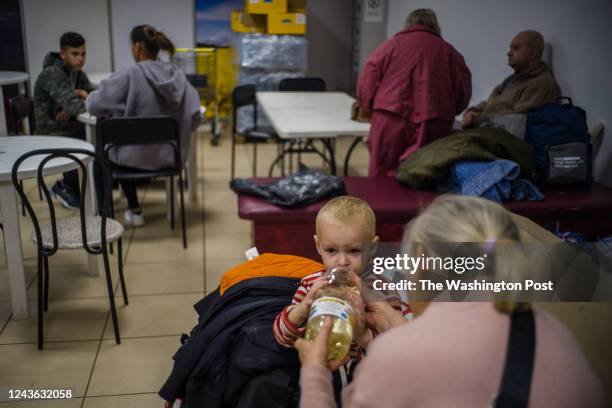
x: 133, y: 219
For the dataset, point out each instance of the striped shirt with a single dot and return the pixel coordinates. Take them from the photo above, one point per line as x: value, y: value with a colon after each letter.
x: 286, y: 332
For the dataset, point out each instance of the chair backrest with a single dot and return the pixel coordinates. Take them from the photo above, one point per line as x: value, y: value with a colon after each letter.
x: 20, y: 108
x: 70, y: 154
x: 302, y: 85
x: 243, y: 95
x: 129, y: 131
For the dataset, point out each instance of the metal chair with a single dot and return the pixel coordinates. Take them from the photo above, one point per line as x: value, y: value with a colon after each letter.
x: 113, y: 133
x: 244, y: 95
x: 20, y: 108
x: 306, y: 84
x: 91, y: 233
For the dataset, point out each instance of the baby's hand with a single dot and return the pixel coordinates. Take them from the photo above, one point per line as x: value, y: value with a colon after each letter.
x: 299, y: 313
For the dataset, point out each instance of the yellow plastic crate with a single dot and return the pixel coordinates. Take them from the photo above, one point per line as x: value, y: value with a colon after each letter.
x: 287, y: 23
x: 265, y: 6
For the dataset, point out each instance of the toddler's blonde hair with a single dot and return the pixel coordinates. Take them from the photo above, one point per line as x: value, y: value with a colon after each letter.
x: 345, y: 209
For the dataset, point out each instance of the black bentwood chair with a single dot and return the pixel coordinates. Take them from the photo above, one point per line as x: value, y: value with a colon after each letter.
x: 144, y: 131
x: 92, y: 233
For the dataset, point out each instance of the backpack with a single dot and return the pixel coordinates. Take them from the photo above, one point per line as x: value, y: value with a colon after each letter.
x: 561, y: 142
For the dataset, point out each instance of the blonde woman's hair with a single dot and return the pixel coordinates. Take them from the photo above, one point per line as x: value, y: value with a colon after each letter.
x: 424, y: 17
x: 458, y: 219
x: 347, y: 209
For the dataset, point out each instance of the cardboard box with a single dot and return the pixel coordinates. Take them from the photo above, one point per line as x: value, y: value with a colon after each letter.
x: 265, y: 6
x: 287, y: 23
x: 248, y: 23
x: 296, y: 6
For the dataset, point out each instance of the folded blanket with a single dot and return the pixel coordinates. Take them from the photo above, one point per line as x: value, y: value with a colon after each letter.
x: 496, y: 180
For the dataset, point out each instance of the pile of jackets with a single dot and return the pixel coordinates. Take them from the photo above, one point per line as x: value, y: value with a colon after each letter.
x: 231, y: 358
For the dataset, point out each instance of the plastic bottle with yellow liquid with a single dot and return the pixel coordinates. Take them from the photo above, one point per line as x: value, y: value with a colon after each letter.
x: 333, y: 301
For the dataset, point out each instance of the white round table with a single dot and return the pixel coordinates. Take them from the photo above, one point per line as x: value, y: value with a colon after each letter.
x: 11, y: 78
x: 11, y: 148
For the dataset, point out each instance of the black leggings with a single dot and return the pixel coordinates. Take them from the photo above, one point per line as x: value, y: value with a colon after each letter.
x: 128, y: 187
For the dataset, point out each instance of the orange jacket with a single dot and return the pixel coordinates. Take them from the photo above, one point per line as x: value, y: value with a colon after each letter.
x: 269, y: 265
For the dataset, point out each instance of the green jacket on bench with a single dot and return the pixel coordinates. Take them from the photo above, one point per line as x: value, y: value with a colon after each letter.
x: 430, y: 164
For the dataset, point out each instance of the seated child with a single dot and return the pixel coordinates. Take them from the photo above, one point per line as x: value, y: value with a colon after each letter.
x: 344, y: 226
x: 59, y: 91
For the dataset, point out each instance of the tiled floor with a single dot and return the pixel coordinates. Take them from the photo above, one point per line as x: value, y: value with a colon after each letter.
x: 163, y: 282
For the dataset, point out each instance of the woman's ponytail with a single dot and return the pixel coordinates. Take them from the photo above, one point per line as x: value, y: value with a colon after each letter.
x: 152, y: 40
x: 164, y: 43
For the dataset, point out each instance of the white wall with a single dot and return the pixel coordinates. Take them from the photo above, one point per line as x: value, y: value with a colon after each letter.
x: 45, y: 21
x: 578, y: 32
x: 175, y: 18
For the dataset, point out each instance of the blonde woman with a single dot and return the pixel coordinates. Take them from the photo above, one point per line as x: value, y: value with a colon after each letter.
x: 453, y: 354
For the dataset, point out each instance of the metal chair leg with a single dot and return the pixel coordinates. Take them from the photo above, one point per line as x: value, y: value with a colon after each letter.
x: 46, y: 282
x: 111, y: 297
x: 233, y: 159
x: 120, y: 269
x: 171, y: 202
x: 40, y: 301
x: 349, y: 153
x: 183, y: 221
x: 22, y: 205
x: 255, y: 159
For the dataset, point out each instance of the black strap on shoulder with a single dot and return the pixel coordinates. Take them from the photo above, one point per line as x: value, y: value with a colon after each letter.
x: 518, y: 370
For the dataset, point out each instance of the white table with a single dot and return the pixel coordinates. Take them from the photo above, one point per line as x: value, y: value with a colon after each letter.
x: 10, y: 78
x: 311, y: 115
x: 11, y: 148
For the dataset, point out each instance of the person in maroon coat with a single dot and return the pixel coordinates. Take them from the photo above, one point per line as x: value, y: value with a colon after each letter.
x: 414, y: 85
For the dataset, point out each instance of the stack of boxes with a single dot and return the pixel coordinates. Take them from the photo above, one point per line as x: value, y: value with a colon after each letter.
x: 271, y: 17
x: 269, y: 48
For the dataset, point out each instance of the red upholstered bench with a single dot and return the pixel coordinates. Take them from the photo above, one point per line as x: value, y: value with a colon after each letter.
x: 290, y: 231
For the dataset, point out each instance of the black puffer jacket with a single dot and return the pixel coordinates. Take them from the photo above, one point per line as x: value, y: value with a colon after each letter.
x: 232, y: 350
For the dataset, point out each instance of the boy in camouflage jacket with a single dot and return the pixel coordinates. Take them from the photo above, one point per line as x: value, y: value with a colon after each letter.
x: 59, y: 94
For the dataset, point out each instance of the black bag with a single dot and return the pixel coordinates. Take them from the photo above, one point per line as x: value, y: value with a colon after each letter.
x: 570, y: 163
x: 558, y: 124
x: 304, y: 187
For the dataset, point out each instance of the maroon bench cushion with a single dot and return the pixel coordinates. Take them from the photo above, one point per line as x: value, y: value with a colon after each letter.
x: 276, y: 228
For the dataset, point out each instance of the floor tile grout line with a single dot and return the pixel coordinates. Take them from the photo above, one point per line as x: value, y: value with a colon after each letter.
x: 124, y: 395
x: 10, y: 317
x: 93, y: 366
x: 203, y: 211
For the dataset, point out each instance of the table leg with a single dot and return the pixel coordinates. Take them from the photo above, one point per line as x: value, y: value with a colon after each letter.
x: 3, y: 130
x: 90, y: 210
x: 329, y: 145
x: 25, y: 122
x: 14, y: 251
x: 90, y: 134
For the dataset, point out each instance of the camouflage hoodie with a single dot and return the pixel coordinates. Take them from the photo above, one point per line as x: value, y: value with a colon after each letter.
x: 53, y: 92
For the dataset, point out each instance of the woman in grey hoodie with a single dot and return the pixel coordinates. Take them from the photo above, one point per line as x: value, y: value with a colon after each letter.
x: 148, y: 88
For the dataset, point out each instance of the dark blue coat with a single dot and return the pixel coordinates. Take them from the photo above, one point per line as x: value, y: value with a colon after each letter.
x: 232, y: 345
